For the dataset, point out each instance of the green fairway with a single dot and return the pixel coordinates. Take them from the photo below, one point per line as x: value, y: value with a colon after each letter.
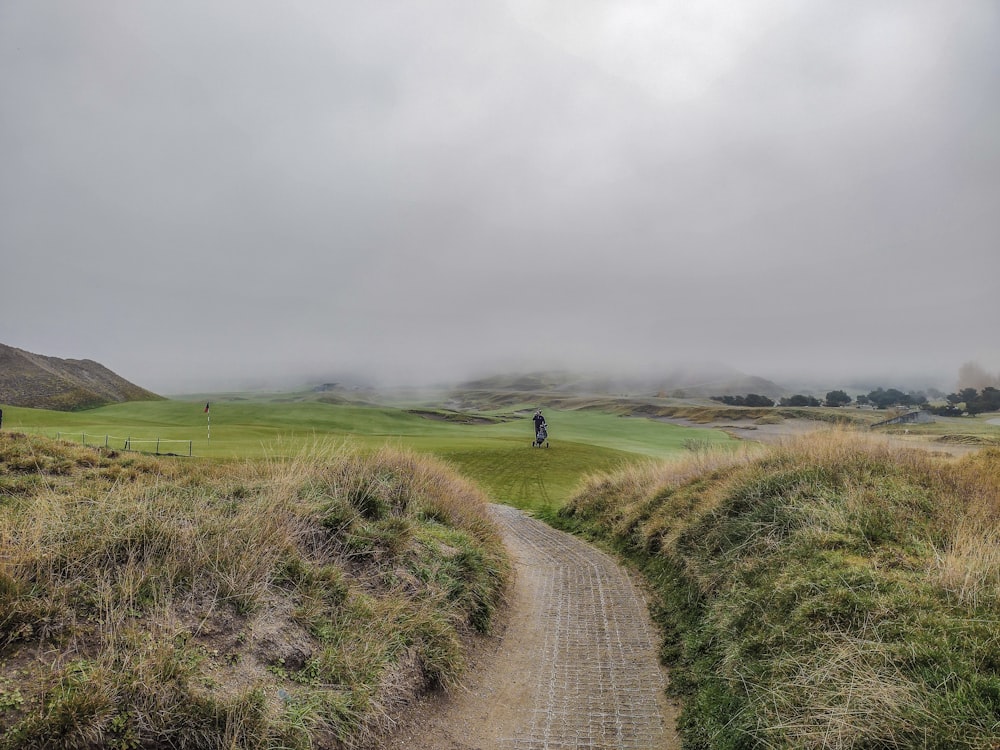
x: 499, y: 456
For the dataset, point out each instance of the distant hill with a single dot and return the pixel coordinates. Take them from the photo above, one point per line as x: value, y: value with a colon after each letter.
x: 41, y: 382
x: 522, y: 383
x: 717, y: 380
x: 691, y: 382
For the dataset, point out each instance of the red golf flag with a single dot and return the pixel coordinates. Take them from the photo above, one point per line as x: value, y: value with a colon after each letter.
x: 206, y: 408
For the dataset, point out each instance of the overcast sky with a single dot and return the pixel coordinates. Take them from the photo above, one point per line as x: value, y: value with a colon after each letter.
x: 196, y: 193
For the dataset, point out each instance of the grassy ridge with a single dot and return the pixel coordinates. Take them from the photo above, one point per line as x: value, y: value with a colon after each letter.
x: 266, y: 604
x: 497, y: 455
x: 978, y: 430
x: 832, y: 593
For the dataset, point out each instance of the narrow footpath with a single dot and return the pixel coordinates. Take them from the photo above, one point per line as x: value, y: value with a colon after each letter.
x: 575, y: 667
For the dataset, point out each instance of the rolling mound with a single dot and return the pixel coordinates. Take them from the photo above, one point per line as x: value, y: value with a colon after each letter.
x: 836, y: 591
x: 41, y: 382
x: 290, y: 604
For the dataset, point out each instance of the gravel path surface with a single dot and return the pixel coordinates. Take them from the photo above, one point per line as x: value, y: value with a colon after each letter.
x: 576, y: 666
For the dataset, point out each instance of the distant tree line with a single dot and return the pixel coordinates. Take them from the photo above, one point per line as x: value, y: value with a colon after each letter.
x: 965, y: 401
x: 883, y: 398
x: 754, y: 399
x: 975, y: 402
x: 800, y: 400
x: 880, y: 398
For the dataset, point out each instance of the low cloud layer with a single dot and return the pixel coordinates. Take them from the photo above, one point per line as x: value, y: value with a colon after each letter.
x: 195, y: 194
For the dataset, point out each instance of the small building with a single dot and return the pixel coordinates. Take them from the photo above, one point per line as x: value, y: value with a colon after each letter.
x: 913, y: 417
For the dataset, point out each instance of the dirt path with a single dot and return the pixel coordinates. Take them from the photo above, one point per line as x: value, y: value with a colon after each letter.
x: 575, y: 667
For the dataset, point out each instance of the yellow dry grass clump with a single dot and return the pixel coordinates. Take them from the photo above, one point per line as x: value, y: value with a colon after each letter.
x: 278, y: 603
x: 832, y: 591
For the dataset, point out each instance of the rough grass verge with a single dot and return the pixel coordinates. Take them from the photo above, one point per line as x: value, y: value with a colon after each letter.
x: 834, y: 592
x: 146, y: 603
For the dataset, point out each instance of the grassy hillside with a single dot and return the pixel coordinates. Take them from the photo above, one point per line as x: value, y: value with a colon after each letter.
x: 835, y: 593
x: 149, y: 603
x: 34, y: 380
x: 495, y: 452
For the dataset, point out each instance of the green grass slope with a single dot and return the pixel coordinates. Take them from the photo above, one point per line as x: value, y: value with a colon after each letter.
x: 149, y: 603
x: 834, y: 593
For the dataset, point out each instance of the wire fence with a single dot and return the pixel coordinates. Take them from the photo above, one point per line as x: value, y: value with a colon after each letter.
x: 160, y: 446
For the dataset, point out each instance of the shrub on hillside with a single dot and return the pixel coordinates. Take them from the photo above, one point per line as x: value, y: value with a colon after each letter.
x: 837, y: 398
x: 975, y: 402
x: 800, y: 400
x: 884, y: 398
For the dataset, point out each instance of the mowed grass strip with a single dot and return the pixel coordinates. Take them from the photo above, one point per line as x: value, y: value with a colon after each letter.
x: 499, y: 456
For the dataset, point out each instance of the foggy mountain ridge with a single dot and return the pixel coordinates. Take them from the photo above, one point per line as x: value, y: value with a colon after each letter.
x: 694, y: 380
x: 35, y: 380
x: 679, y: 382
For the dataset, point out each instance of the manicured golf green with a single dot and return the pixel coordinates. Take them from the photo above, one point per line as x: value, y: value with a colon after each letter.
x: 499, y: 456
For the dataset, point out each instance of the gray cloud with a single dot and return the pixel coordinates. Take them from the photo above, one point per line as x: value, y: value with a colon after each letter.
x: 199, y: 192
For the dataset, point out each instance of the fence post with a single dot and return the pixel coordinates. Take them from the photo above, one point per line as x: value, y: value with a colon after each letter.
x: 106, y: 438
x: 190, y: 447
x: 84, y: 435
x: 157, y: 446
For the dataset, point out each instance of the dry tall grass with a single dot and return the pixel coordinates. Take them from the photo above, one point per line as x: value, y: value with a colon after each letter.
x: 835, y: 591
x: 281, y: 603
